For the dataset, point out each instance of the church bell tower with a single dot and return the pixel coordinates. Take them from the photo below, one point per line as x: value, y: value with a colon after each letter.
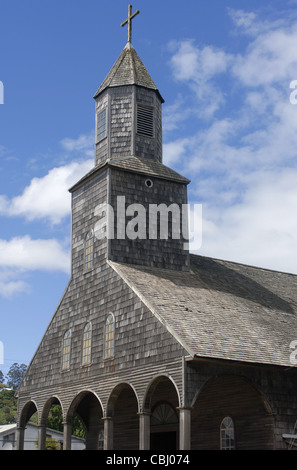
x: 128, y: 109
x: 141, y: 193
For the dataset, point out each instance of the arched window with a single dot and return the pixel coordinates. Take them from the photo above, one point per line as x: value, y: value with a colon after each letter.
x: 87, y: 341
x: 101, y: 440
x: 109, y: 337
x: 89, y: 251
x: 66, y: 350
x: 227, y: 434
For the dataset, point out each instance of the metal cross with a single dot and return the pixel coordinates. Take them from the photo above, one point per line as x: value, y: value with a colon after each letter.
x: 129, y: 21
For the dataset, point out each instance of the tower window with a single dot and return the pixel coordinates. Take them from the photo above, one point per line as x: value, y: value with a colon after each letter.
x: 101, y: 125
x: 89, y: 251
x: 87, y: 340
x: 109, y: 337
x: 66, y: 350
x: 227, y: 434
x: 145, y: 120
x: 101, y: 440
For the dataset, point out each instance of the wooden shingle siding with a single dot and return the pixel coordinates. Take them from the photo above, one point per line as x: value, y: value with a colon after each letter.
x: 140, y: 339
x: 168, y: 253
x: 235, y: 397
x: 121, y: 123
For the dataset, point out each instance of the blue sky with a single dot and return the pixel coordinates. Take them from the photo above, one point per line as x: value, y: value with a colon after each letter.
x: 224, y: 70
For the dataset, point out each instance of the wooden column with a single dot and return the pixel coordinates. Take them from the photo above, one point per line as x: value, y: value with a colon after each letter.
x: 41, y: 437
x: 184, y: 428
x: 144, y: 431
x: 108, y: 433
x: 20, y: 438
x: 67, y: 431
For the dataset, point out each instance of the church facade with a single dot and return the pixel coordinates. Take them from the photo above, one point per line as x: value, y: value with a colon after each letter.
x: 151, y: 346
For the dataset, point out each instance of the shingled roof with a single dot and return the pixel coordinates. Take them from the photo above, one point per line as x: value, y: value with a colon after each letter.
x: 134, y: 164
x: 147, y: 167
x: 222, y: 310
x: 128, y: 70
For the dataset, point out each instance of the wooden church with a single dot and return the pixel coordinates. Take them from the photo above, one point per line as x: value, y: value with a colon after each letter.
x: 150, y: 346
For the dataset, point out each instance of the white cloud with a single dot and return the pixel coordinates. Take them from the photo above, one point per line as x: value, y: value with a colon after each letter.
x: 270, y: 58
x: 197, y: 66
x: 46, y: 197
x: 245, y: 21
x: 184, y: 62
x: 261, y: 230
x: 10, y: 284
x: 83, y: 142
x: 11, y: 288
x: 23, y: 253
x: 174, y: 151
x: 250, y: 23
x: 174, y: 114
x: 194, y: 63
x: 243, y: 165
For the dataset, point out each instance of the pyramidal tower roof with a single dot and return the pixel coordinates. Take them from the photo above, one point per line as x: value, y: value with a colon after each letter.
x: 128, y: 70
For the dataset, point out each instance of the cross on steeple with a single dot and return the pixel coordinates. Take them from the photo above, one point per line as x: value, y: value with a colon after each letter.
x: 129, y: 21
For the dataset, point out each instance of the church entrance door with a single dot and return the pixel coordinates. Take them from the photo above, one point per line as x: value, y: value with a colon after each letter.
x: 164, y: 427
x: 162, y: 401
x: 163, y: 440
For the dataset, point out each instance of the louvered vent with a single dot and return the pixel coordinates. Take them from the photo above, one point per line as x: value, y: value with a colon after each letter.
x: 145, y: 120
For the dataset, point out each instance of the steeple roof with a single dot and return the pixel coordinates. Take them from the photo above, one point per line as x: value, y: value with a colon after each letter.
x: 128, y: 70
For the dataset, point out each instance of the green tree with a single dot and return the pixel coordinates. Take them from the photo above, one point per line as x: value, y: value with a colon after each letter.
x: 15, y: 375
x: 77, y: 427
x: 1, y: 377
x: 55, y: 418
x: 52, y: 444
x: 55, y: 421
x: 8, y: 407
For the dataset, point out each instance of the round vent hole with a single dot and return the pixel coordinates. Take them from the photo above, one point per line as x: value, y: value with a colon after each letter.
x: 149, y: 183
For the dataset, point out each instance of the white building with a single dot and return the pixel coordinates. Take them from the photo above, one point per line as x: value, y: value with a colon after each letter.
x: 8, y: 434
